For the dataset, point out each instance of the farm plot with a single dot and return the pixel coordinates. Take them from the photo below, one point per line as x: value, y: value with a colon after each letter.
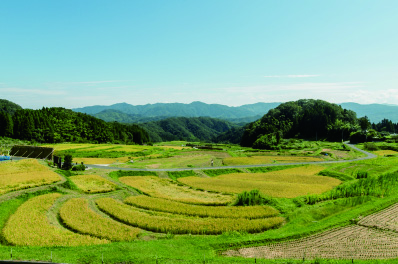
x: 162, y: 205
x: 93, y: 183
x: 171, y: 223
x: 255, y: 160
x: 167, y: 189
x: 77, y: 215
x: 100, y: 160
x: 386, y: 152
x: 30, y: 226
x: 352, y: 242
x: 178, y: 161
x: 24, y: 174
x: 385, y: 219
x: 288, y: 183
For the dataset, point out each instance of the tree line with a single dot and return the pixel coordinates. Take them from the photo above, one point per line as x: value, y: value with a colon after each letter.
x: 55, y: 125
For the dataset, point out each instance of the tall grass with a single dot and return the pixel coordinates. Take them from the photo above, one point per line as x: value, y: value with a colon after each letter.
x: 179, y: 174
x: 217, y: 172
x: 380, y: 186
x: 253, y: 197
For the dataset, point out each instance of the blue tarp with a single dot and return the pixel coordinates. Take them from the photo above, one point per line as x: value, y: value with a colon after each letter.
x: 4, y: 157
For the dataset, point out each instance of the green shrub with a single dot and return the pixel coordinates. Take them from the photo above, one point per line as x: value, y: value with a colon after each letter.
x: 80, y: 167
x: 370, y: 146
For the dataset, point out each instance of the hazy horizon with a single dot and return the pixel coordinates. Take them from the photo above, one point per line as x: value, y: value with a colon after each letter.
x: 81, y: 53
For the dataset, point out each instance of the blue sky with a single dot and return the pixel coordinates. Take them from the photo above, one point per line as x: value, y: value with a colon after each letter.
x: 78, y: 53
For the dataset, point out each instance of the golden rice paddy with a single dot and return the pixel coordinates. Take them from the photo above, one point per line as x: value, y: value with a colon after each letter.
x: 30, y: 226
x: 77, y: 215
x: 286, y: 183
x: 170, y: 223
x: 167, y: 189
x: 163, y: 205
x: 101, y: 160
x: 93, y: 183
x: 25, y: 174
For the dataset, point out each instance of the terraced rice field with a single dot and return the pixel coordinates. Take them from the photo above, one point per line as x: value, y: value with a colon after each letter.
x: 25, y: 174
x: 171, y: 223
x: 77, y: 215
x: 167, y: 189
x: 286, y: 183
x: 255, y: 160
x: 93, y: 183
x: 30, y: 226
x: 163, y: 205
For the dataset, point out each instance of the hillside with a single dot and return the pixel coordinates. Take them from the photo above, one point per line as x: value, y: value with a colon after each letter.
x: 306, y: 118
x: 53, y: 125
x: 375, y: 112
x: 240, y: 114
x: 194, y: 109
x: 8, y: 107
x: 188, y: 129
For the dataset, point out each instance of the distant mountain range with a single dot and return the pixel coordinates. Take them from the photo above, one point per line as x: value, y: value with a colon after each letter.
x: 126, y: 113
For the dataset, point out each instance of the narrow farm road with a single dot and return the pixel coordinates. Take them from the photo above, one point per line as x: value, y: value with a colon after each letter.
x: 368, y: 156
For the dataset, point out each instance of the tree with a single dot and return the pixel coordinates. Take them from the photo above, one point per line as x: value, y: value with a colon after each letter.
x: 364, y: 123
x: 6, y: 125
x: 67, y: 162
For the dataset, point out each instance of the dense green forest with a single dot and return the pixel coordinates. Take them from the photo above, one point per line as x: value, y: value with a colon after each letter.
x: 308, y: 119
x: 54, y: 125
x: 188, y: 129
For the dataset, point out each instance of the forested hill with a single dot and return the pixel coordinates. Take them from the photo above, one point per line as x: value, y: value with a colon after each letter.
x: 59, y: 125
x: 189, y: 129
x: 8, y: 107
x: 307, y: 118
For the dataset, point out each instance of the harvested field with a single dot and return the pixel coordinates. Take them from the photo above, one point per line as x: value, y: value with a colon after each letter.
x: 163, y: 205
x: 286, y: 183
x: 352, y: 242
x: 77, y: 215
x: 170, y: 223
x: 25, y: 174
x: 30, y: 226
x: 385, y: 219
x: 93, y: 183
x: 167, y: 189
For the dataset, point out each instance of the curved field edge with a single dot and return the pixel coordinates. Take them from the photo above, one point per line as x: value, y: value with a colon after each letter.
x: 169, y: 206
x: 77, y: 216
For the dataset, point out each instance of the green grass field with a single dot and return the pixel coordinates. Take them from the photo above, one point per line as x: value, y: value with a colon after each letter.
x: 167, y: 225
